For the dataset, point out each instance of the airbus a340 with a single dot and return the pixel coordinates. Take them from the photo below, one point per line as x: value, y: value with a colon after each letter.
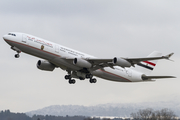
x: 83, y: 66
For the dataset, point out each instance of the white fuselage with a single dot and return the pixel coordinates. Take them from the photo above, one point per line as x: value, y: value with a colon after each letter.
x: 57, y: 54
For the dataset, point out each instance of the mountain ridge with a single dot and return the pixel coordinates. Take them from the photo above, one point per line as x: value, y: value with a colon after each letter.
x: 109, y: 109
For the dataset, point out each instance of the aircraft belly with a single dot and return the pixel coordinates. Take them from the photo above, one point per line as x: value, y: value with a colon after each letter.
x: 10, y: 43
x: 52, y: 57
x: 34, y: 51
x: 111, y: 74
x: 114, y: 78
x: 64, y: 64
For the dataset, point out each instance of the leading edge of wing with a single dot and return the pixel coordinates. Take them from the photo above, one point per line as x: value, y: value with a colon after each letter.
x: 137, y: 60
x: 131, y: 60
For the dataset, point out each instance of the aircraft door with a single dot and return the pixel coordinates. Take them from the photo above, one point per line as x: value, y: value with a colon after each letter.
x: 24, y: 38
x: 129, y: 73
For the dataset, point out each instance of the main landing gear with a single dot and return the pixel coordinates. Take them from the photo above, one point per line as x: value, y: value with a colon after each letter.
x: 71, y: 81
x: 91, y: 80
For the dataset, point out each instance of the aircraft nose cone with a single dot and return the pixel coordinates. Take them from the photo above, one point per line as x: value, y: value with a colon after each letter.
x: 5, y: 37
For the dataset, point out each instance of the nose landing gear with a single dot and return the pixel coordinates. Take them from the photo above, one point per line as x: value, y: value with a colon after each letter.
x: 16, y: 55
x: 17, y: 50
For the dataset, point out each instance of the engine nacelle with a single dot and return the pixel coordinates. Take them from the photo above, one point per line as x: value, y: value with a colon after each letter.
x: 121, y: 62
x: 45, y: 65
x: 81, y: 63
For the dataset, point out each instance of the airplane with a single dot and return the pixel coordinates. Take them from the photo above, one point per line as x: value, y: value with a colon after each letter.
x: 83, y: 66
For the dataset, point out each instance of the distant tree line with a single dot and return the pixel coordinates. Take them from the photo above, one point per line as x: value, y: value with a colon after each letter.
x: 150, y: 114
x: 144, y: 114
x: 7, y: 115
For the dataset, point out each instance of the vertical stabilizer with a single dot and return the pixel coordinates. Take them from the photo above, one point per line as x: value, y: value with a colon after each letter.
x: 147, y: 67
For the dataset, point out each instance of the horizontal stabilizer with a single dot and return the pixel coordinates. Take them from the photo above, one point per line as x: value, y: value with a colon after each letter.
x: 144, y: 77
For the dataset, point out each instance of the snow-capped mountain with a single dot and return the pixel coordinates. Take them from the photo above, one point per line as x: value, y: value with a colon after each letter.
x: 115, y: 110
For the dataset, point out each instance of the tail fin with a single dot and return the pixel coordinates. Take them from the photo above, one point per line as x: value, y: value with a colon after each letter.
x: 147, y: 67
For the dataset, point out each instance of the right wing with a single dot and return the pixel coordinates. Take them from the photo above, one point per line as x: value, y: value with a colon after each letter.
x: 123, y: 62
x: 97, y: 63
x: 138, y: 60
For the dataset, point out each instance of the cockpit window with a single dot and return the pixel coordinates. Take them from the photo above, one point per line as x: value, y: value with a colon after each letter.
x: 12, y: 34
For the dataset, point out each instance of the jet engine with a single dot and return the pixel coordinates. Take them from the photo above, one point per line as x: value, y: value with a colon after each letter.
x: 45, y: 65
x: 121, y: 62
x: 81, y: 63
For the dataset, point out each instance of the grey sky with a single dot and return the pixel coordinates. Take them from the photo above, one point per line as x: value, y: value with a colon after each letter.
x: 101, y: 28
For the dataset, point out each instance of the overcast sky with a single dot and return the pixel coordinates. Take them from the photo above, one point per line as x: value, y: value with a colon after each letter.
x: 103, y: 28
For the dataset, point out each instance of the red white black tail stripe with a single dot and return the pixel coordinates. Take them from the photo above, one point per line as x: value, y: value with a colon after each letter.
x: 147, y: 64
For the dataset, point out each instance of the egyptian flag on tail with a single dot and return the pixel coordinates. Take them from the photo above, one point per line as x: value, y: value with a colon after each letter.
x: 147, y: 67
x: 147, y: 64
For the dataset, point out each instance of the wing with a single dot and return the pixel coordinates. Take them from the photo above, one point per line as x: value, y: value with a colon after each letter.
x: 123, y: 62
x: 138, y: 60
x: 97, y: 63
x: 101, y: 63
